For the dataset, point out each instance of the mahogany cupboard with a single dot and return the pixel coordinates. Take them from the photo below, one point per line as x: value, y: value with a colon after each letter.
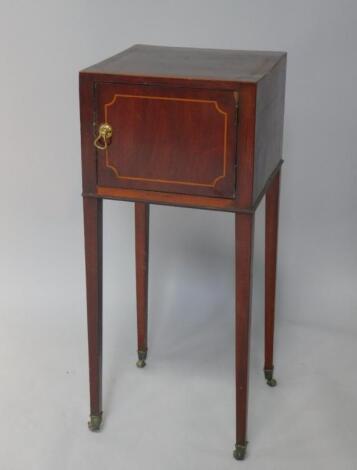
x: 187, y: 127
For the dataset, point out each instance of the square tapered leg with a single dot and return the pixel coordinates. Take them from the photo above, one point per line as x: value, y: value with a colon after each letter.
x: 142, y: 267
x: 244, y: 227
x: 93, y: 232
x: 271, y: 243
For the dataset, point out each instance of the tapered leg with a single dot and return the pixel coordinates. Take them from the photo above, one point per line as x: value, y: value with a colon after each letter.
x: 93, y: 228
x: 271, y: 242
x: 244, y: 234
x: 142, y: 268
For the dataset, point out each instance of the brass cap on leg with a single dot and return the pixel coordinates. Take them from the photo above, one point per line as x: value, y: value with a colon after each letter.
x: 95, y: 422
x: 268, y: 373
x: 239, y: 451
x: 141, y: 359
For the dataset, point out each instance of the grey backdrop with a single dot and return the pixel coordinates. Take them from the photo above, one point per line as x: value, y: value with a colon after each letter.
x: 178, y: 413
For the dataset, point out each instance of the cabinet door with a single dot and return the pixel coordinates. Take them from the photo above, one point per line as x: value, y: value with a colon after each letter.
x: 178, y: 140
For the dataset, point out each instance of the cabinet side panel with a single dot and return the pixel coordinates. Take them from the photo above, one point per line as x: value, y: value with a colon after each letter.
x: 89, y: 172
x: 269, y: 125
x: 246, y: 143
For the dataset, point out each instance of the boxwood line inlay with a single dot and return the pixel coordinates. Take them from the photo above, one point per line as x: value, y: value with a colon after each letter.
x: 167, y: 98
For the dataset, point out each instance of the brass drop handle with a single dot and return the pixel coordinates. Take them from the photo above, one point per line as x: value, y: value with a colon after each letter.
x: 105, y: 133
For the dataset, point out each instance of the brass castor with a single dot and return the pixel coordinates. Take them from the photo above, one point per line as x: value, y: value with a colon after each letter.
x: 141, y: 362
x: 268, y: 373
x: 95, y: 422
x: 239, y: 451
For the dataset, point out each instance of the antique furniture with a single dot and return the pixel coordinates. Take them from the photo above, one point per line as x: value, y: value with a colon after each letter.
x: 186, y: 127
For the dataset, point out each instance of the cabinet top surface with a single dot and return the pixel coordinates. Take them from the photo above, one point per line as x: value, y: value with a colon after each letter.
x: 191, y: 63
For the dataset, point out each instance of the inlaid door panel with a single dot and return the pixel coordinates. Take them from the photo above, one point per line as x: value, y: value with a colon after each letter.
x: 167, y: 139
